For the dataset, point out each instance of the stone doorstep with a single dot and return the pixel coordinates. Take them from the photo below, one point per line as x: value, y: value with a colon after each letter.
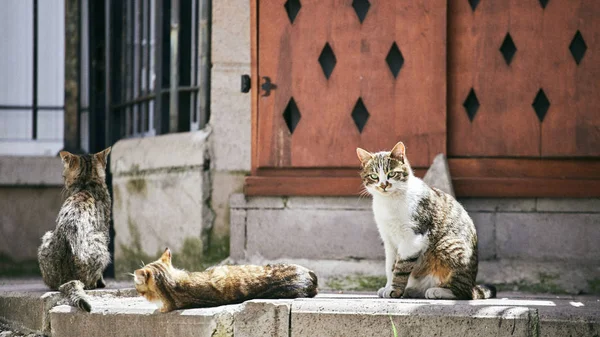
x: 120, y: 312
x: 337, y: 315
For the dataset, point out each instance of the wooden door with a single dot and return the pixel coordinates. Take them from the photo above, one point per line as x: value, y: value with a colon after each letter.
x: 523, y: 93
x: 347, y: 74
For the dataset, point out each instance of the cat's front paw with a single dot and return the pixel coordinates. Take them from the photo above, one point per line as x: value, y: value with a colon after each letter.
x: 389, y: 292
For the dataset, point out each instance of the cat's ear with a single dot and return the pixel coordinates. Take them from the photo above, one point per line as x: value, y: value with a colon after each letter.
x: 363, y: 155
x: 102, y: 156
x: 399, y: 152
x: 67, y: 157
x: 166, y: 256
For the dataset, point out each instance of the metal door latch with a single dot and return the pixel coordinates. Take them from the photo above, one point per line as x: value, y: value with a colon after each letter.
x: 267, y: 86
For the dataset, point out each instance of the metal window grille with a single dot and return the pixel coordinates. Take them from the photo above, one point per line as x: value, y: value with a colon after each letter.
x: 142, y: 35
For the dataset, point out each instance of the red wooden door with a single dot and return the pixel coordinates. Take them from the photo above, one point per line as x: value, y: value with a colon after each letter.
x: 523, y: 97
x: 365, y: 75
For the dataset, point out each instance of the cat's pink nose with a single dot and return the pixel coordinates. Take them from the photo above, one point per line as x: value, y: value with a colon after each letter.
x: 384, y: 185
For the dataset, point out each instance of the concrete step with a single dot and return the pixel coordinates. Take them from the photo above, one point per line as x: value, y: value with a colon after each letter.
x: 25, y: 303
x: 117, y: 312
x: 338, y: 315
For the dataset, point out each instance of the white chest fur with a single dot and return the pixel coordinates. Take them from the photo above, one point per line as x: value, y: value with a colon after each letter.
x: 394, y: 220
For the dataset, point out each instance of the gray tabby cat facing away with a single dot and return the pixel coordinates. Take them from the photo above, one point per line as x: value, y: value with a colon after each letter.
x: 73, y: 256
x: 429, y: 239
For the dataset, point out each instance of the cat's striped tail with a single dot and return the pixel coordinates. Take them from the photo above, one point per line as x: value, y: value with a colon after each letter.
x: 482, y: 291
x: 73, y: 292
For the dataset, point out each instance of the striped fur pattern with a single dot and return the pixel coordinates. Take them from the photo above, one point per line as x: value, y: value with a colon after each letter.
x: 429, y: 239
x: 171, y: 288
x: 77, y: 249
x: 75, y: 295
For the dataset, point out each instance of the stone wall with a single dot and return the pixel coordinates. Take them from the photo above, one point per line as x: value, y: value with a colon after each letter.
x: 230, y: 109
x: 161, y: 198
x: 532, y: 244
x: 30, y: 198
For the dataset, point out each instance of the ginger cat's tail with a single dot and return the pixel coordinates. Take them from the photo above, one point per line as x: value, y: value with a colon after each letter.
x: 73, y: 292
x: 483, y: 291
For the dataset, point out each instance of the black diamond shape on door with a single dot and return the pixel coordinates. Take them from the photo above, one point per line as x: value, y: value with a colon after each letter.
x: 544, y: 3
x: 508, y: 48
x: 473, y: 4
x: 395, y: 60
x: 578, y: 47
x: 471, y: 104
x: 327, y: 60
x: 541, y: 105
x: 360, y: 114
x: 291, y: 115
x: 292, y: 7
x: 361, y: 7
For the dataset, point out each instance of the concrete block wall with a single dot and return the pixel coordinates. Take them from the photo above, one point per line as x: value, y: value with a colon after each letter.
x: 521, y: 241
x: 30, y: 198
x: 161, y: 193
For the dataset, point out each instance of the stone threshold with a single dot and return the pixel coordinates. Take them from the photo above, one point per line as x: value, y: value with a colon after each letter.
x: 118, y: 312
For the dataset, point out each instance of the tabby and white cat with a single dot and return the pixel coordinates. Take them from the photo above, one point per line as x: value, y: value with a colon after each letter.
x: 429, y: 239
x: 73, y: 256
x: 171, y: 288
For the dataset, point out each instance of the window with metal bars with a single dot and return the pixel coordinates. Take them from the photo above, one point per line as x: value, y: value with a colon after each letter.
x: 149, y: 68
x: 152, y: 49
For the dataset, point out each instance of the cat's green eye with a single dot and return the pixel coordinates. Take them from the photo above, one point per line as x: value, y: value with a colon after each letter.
x: 392, y: 174
x: 373, y: 176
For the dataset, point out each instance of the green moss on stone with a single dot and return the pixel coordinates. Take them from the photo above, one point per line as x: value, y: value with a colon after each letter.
x: 546, y: 283
x: 356, y: 283
x: 192, y: 255
x: 594, y: 286
x: 136, y: 186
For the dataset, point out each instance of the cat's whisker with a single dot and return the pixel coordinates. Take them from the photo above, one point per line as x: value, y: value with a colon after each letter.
x: 143, y: 264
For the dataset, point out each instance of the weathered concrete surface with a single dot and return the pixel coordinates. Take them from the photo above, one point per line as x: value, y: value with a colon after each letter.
x: 498, y: 204
x: 161, y: 198
x: 130, y: 156
x: 548, y: 236
x: 134, y: 316
x: 571, y: 277
x: 312, y: 234
x: 324, y: 228
x: 360, y: 317
x: 30, y: 171
x: 25, y: 303
x: 26, y: 213
x: 438, y: 175
x: 230, y: 118
x: 120, y: 312
x: 30, y: 198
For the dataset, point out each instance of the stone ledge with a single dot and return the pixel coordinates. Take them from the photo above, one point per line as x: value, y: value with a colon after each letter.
x: 25, y: 304
x: 30, y: 171
x: 118, y: 312
x: 137, y: 155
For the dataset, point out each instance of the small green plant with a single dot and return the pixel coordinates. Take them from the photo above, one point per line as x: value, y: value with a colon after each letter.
x: 393, y: 327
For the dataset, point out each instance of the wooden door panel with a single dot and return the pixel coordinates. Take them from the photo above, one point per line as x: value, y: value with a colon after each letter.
x: 504, y: 123
x: 410, y: 107
x: 572, y: 125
